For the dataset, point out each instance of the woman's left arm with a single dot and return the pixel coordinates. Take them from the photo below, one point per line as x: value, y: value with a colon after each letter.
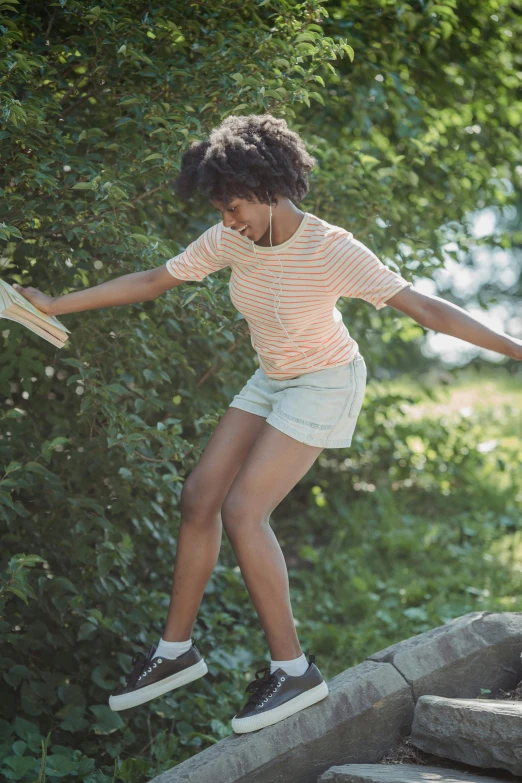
x: 441, y: 316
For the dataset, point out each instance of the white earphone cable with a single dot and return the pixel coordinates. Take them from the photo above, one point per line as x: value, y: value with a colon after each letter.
x: 277, y: 297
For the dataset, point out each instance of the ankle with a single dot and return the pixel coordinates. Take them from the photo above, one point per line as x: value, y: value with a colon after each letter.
x: 172, y: 650
x: 176, y: 638
x: 295, y: 667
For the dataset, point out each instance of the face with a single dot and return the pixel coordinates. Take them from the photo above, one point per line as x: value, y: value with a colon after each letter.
x: 240, y: 212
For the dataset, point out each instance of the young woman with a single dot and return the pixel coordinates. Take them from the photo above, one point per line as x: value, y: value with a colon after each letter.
x: 288, y: 269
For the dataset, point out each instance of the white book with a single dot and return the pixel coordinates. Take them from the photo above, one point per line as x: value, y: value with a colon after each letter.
x: 16, y: 307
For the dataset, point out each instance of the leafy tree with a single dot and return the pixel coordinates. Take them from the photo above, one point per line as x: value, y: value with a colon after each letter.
x: 98, y: 102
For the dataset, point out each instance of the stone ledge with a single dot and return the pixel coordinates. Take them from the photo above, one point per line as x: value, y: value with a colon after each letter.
x: 479, y: 649
x: 399, y: 773
x: 369, y: 706
x: 484, y: 733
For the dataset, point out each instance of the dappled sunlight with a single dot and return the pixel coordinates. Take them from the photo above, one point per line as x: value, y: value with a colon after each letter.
x: 466, y: 398
x: 507, y: 550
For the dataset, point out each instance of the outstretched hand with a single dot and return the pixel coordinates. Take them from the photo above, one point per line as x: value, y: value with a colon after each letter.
x: 40, y: 300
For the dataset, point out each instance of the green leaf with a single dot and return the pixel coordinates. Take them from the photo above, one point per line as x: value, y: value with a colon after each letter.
x: 318, y: 97
x: 6, y: 500
x: 122, y: 121
x: 65, y: 584
x: 73, y: 719
x: 35, y: 467
x: 26, y: 560
x: 131, y: 100
x: 100, y: 676
x: 86, y: 631
x: 19, y: 766
x: 24, y: 728
x: 16, y: 674
x: 60, y: 766
x: 74, y: 363
x: 189, y: 297
x: 307, y: 36
x: 305, y: 48
x: 350, y: 52
x: 105, y: 562
x: 72, y: 694
x: 19, y: 593
x: 107, y: 721
x: 14, y: 231
x: 82, y: 186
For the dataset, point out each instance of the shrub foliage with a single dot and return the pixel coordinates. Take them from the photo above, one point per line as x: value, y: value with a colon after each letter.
x: 412, y: 113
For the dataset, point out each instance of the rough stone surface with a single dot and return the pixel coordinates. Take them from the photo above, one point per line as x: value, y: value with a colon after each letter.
x: 484, y: 733
x: 477, y: 650
x: 399, y: 773
x: 369, y: 706
x: 366, y: 708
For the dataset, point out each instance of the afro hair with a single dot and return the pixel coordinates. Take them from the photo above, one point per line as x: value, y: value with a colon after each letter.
x: 247, y: 155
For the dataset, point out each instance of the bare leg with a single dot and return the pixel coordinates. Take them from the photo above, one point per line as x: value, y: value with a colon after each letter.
x: 273, y: 467
x: 199, y: 537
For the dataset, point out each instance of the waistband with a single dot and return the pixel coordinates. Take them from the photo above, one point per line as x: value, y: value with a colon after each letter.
x: 357, y: 358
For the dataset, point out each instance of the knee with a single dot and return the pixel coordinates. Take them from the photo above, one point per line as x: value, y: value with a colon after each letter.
x: 239, y: 514
x: 194, y: 504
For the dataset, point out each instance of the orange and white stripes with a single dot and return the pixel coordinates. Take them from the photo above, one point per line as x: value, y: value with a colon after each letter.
x: 320, y: 263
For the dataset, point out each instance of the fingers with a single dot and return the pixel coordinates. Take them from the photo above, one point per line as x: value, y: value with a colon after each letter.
x: 29, y: 293
x: 22, y: 290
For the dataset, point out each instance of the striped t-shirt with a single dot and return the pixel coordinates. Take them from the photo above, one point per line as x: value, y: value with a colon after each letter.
x: 321, y: 262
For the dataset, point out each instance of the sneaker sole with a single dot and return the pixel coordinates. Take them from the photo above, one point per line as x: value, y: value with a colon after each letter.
x: 149, y: 692
x: 306, y: 699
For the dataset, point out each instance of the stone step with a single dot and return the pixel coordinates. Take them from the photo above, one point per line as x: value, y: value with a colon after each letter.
x: 369, y: 707
x: 399, y: 773
x: 484, y: 733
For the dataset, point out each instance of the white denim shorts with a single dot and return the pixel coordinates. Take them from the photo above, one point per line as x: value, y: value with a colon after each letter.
x: 319, y: 408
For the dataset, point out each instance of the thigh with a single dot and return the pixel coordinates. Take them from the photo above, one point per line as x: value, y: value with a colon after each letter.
x: 222, y: 457
x: 274, y: 465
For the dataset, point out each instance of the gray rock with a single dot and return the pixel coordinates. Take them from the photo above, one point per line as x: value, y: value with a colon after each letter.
x: 399, y: 773
x: 484, y: 733
x: 477, y: 650
x: 369, y: 706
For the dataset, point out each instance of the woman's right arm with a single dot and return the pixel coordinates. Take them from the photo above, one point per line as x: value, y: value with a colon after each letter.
x: 127, y: 289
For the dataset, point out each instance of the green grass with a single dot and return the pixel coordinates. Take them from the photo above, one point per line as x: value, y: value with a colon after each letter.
x: 387, y: 550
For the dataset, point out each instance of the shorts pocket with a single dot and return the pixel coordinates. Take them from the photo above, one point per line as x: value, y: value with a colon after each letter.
x: 315, y: 407
x: 359, y: 375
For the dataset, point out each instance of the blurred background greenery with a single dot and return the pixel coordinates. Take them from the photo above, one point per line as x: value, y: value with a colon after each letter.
x: 413, y: 111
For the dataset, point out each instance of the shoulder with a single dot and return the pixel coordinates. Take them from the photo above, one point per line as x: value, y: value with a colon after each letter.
x: 327, y: 232
x: 210, y: 239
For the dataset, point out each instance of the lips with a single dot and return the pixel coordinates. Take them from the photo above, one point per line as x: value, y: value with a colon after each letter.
x: 242, y: 230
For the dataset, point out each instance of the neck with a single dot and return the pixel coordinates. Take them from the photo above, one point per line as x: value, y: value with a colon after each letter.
x: 286, y: 219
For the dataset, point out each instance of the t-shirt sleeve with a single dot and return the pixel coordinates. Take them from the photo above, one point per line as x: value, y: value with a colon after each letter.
x: 360, y: 274
x: 201, y: 257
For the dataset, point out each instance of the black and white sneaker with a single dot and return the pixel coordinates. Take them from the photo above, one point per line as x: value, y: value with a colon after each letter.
x: 154, y: 677
x: 279, y: 695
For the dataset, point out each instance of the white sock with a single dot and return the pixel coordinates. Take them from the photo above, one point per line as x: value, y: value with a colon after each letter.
x: 172, y: 650
x: 294, y: 668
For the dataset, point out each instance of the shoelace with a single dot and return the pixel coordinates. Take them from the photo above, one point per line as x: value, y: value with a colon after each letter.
x: 268, y: 683
x: 139, y: 662
x: 261, y: 686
